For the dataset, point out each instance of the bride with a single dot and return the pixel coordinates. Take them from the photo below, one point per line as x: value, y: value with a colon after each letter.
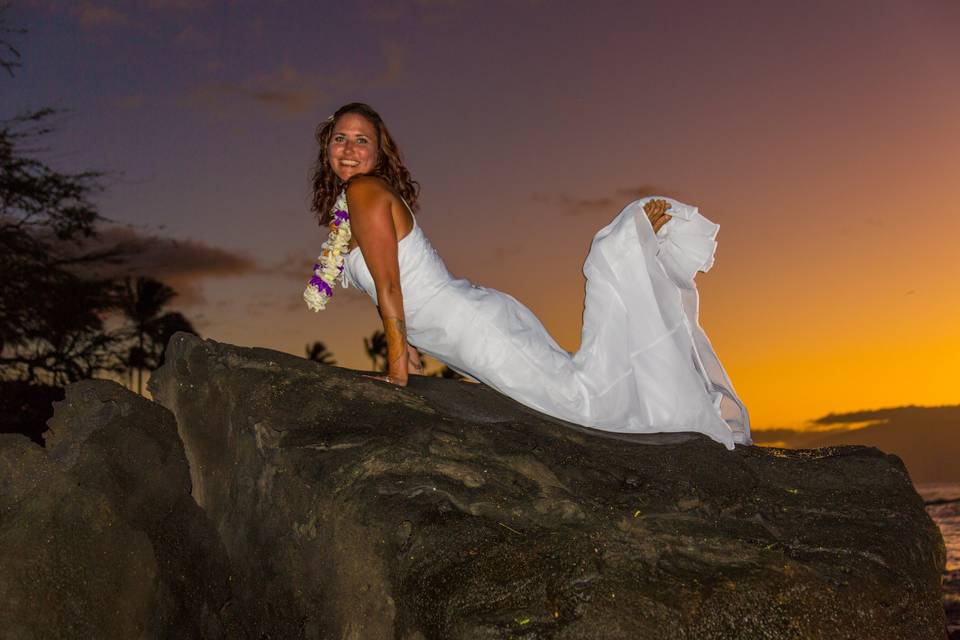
x: 644, y: 363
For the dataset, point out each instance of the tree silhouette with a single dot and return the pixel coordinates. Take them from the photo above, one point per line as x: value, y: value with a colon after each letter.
x: 68, y: 342
x: 142, y: 301
x: 376, y: 348
x: 58, y: 310
x: 53, y: 307
x: 9, y: 56
x: 318, y: 352
x: 51, y: 314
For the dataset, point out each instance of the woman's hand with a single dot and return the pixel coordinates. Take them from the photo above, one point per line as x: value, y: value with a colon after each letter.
x: 400, y: 377
x: 414, y: 362
x: 388, y: 378
x: 656, y: 211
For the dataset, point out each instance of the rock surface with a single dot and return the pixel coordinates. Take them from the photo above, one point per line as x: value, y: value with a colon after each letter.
x: 99, y: 535
x: 350, y: 509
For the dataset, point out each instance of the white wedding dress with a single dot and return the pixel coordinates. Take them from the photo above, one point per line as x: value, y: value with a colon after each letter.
x: 644, y: 364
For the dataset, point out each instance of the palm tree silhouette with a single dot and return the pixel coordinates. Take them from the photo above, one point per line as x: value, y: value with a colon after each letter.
x: 318, y: 352
x: 376, y: 348
x: 142, y: 301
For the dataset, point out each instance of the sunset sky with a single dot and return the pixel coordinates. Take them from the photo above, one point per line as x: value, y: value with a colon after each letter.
x: 823, y: 136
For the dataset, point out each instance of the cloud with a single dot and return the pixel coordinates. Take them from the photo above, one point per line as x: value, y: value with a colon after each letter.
x: 132, y: 101
x: 895, y: 414
x: 220, y: 98
x: 286, y: 91
x: 394, y: 68
x: 46, y: 5
x: 426, y: 11
x: 154, y: 5
x: 927, y: 439
x: 385, y: 11
x: 179, y: 5
x: 576, y: 205
x: 290, y: 92
x: 114, y: 14
x: 100, y: 16
x: 293, y: 266
x: 181, y: 264
x: 191, y: 38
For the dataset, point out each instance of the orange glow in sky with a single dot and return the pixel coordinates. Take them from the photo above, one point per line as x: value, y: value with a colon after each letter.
x: 823, y: 137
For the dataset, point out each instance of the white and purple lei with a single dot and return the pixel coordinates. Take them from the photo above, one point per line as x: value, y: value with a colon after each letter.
x: 329, y: 266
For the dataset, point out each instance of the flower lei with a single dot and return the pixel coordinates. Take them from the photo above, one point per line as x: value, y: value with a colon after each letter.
x: 329, y: 266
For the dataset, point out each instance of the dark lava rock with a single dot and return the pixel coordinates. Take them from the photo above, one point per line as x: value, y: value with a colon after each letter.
x: 99, y: 535
x: 351, y: 509
x: 25, y: 408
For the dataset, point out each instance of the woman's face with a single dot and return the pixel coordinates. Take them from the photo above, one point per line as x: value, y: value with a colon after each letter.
x: 353, y: 146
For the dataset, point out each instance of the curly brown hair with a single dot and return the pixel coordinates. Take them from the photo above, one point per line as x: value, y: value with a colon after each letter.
x: 326, y: 184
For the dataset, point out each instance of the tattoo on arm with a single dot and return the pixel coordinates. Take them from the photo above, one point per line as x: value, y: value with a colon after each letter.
x: 396, y: 331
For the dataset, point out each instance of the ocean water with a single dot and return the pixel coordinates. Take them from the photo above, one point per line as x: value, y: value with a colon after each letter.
x: 943, y: 505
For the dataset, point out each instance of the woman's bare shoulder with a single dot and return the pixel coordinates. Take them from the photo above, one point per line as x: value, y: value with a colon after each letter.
x: 369, y: 191
x: 372, y: 200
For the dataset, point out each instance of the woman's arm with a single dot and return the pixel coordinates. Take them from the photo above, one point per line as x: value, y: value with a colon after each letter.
x: 371, y: 222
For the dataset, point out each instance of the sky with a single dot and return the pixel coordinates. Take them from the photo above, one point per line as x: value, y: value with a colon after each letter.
x: 823, y: 137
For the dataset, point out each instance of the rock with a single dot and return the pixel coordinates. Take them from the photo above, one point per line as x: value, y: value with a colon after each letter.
x: 25, y: 408
x: 99, y: 534
x: 69, y: 566
x: 444, y: 510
